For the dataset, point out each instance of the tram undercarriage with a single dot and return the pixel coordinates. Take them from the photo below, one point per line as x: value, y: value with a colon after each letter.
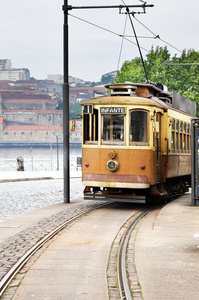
x: 172, y: 188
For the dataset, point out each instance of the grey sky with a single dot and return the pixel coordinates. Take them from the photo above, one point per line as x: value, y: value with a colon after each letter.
x: 31, y: 34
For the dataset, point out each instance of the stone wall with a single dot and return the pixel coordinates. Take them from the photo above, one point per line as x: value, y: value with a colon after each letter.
x: 34, y: 117
x: 30, y: 134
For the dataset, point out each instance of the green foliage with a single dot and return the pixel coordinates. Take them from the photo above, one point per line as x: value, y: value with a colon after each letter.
x: 59, y: 104
x: 106, y: 79
x: 182, y: 79
x: 76, y: 109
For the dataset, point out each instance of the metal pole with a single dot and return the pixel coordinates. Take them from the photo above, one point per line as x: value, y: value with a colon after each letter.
x: 51, y: 156
x: 181, y: 64
x: 127, y: 10
x: 66, y: 152
x: 70, y: 7
x: 31, y: 158
x: 57, y: 154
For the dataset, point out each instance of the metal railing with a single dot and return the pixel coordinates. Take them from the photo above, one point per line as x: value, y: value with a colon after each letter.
x: 36, y: 164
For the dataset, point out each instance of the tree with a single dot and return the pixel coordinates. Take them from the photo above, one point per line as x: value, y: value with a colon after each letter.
x: 76, y: 109
x: 106, y: 79
x: 59, y: 104
x: 182, y: 79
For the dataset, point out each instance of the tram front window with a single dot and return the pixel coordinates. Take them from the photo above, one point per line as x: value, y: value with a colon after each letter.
x: 138, y: 127
x: 113, y: 128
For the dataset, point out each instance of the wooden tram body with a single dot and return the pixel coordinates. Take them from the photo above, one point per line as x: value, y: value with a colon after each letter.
x: 136, y: 144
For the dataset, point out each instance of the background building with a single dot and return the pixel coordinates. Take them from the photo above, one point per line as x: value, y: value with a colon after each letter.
x: 9, y: 73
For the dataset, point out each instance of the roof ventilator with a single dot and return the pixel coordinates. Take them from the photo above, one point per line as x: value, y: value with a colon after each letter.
x: 122, y: 89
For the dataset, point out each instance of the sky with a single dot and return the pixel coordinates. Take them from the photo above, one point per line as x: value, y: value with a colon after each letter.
x: 31, y: 34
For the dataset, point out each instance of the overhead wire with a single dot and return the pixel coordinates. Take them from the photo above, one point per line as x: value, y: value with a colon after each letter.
x: 124, y: 37
x: 136, y: 38
x: 141, y: 56
x: 110, y: 31
x: 155, y: 35
x: 121, y: 45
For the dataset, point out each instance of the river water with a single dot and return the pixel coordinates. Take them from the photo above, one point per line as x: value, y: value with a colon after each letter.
x: 37, y: 159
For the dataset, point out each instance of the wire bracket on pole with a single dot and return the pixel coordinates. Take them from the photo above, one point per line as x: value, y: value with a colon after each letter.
x: 66, y: 8
x: 143, y: 6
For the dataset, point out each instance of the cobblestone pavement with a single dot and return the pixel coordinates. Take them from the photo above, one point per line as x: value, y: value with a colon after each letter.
x: 20, y: 197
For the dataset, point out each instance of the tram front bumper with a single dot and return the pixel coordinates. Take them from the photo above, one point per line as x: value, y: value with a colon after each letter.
x: 116, y: 181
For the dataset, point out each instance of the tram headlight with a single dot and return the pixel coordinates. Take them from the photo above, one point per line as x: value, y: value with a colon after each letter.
x: 112, y: 165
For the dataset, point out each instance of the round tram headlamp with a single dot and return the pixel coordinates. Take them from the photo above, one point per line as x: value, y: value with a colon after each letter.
x: 112, y: 165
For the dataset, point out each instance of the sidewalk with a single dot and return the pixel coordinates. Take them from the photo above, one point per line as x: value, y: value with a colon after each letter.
x: 166, y: 254
x: 12, y: 176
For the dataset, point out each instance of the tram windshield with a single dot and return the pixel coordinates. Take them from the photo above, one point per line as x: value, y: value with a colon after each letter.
x: 138, y: 126
x: 113, y: 128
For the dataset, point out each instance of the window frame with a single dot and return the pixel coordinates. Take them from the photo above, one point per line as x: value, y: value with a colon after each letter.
x: 90, y: 128
x: 181, y: 136
x: 113, y: 142
x: 138, y: 143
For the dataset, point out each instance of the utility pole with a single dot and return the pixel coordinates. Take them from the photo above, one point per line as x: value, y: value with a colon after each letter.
x: 66, y: 150
x: 66, y: 145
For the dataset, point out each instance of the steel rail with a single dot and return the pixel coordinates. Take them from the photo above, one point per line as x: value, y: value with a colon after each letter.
x: 124, y: 289
x: 21, y: 262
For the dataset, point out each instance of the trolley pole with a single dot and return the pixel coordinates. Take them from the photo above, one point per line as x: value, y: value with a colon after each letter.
x: 66, y: 147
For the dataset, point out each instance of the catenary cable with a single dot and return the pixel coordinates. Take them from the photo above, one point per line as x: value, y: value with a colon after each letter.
x: 155, y: 35
x: 110, y: 31
x: 121, y: 45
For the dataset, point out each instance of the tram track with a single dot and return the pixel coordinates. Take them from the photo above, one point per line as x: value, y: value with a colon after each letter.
x: 124, y: 234
x: 121, y: 271
x: 123, y: 282
x: 6, y: 280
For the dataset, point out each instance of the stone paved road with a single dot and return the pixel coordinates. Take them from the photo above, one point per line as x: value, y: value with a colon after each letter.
x: 20, y: 197
x: 16, y: 246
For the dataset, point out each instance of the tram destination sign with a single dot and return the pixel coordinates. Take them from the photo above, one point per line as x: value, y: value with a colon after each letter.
x: 88, y: 109
x: 112, y: 110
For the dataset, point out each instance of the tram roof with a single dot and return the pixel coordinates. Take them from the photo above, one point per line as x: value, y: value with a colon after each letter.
x: 126, y: 100
x: 148, y: 94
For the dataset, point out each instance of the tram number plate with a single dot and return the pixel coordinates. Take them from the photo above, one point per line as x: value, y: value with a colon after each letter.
x: 88, y: 109
x: 112, y: 110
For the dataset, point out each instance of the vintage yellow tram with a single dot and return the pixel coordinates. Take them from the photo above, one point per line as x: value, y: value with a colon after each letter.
x: 136, y: 143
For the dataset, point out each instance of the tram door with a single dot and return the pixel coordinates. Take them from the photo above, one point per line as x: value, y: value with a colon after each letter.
x: 157, y: 145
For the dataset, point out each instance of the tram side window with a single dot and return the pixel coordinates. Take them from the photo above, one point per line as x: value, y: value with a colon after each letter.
x: 138, y: 126
x: 113, y: 128
x: 91, y: 128
x: 177, y: 129
x: 184, y: 136
x: 188, y: 138
x: 172, y: 135
x: 180, y: 136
